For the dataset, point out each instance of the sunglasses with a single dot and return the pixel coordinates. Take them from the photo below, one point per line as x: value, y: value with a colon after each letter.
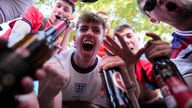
x: 149, y: 6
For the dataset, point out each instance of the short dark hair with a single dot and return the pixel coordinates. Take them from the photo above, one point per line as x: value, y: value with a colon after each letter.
x: 102, y: 12
x: 120, y: 28
x: 90, y: 17
x: 70, y: 2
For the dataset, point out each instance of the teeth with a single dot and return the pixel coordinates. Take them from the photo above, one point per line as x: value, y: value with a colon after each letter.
x: 88, y: 42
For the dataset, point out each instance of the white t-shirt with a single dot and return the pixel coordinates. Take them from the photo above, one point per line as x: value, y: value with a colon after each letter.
x: 78, y: 86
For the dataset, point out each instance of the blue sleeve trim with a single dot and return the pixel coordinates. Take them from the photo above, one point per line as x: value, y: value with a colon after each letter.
x: 27, y: 21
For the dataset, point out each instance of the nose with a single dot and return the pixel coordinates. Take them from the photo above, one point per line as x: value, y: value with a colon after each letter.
x: 127, y: 40
x: 60, y: 11
x: 89, y: 32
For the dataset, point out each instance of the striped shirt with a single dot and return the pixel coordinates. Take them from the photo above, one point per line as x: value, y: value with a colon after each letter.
x: 182, y: 50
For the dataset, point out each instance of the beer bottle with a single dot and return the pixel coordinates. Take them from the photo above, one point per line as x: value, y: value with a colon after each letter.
x: 116, y: 90
x: 167, y: 96
x: 23, y: 59
x: 172, y: 78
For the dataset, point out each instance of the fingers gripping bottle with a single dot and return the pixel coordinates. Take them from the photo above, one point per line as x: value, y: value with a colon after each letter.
x: 116, y: 91
x: 172, y: 78
x: 23, y: 59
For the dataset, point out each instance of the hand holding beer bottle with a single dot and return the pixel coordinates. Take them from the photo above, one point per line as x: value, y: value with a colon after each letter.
x: 24, y: 58
x: 130, y: 58
x: 113, y: 82
x: 158, y: 52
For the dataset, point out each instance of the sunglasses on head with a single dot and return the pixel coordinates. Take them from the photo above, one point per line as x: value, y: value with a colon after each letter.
x: 149, y: 5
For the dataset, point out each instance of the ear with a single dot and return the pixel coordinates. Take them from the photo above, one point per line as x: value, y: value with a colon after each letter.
x: 74, y: 39
x: 154, y: 21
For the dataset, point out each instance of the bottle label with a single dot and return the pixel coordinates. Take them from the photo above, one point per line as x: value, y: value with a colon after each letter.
x: 159, y: 80
x: 181, y: 93
x: 170, y: 101
x: 165, y: 91
x: 176, y: 85
x: 118, y: 81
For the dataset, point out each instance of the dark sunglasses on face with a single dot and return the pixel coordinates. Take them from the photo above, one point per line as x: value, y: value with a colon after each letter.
x: 149, y: 5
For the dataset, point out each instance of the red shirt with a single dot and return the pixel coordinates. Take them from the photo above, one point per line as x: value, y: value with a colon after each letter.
x: 144, y: 73
x: 35, y: 19
x: 101, y: 51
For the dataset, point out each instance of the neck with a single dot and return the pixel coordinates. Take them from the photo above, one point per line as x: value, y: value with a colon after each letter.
x: 184, y: 25
x: 83, y: 62
x: 50, y: 21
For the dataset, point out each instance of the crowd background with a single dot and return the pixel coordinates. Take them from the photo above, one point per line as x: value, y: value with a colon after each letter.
x: 117, y: 10
x: 120, y: 12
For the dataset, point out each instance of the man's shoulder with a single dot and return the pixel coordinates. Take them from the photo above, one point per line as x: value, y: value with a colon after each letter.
x: 99, y: 57
x: 179, y: 35
x: 66, y: 53
x: 32, y: 10
x: 62, y: 58
x: 34, y: 18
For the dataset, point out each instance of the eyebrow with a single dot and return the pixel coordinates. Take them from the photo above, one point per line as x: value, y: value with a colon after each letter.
x: 128, y: 34
x: 83, y: 26
x: 95, y: 27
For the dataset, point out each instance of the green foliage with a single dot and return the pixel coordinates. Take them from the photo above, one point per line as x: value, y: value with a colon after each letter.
x: 122, y: 11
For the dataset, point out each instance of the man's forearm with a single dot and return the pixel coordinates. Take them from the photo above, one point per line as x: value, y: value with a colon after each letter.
x: 132, y: 76
x: 19, y: 31
x: 46, y: 103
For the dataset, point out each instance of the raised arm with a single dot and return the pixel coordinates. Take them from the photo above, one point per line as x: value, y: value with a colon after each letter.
x: 124, y: 52
x: 127, y: 64
x: 19, y: 31
x: 50, y: 87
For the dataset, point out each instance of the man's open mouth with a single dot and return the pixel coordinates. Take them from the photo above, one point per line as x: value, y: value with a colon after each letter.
x: 87, y: 46
x: 171, y: 6
x: 57, y: 17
